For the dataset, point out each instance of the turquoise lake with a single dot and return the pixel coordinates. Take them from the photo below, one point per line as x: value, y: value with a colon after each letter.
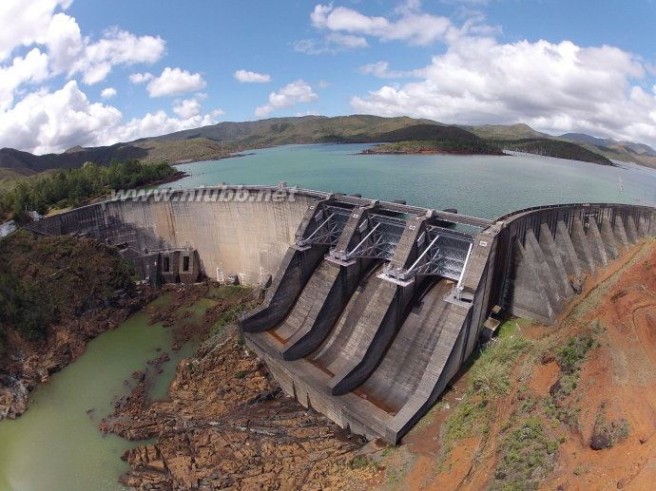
x: 476, y: 185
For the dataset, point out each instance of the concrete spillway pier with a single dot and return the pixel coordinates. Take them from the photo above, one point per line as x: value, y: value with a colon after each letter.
x: 371, y: 307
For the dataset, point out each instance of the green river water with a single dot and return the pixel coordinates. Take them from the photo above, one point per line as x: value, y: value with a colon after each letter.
x: 56, y: 445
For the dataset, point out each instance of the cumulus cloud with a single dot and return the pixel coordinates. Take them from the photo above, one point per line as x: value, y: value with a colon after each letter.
x: 248, y: 77
x: 71, y: 53
x: 174, y: 81
x: 116, y: 48
x: 411, y: 25
x: 291, y: 94
x: 187, y: 108
x: 24, y: 23
x: 45, y: 122
x: 347, y: 40
x: 31, y: 68
x: 332, y: 43
x: 108, y: 93
x: 141, y: 78
x: 154, y: 124
x: 555, y: 87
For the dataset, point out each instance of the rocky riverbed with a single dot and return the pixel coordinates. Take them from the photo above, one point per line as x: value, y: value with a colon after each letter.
x: 227, y: 425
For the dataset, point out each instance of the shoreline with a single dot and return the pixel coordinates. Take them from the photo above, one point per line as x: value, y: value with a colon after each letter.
x: 371, y: 151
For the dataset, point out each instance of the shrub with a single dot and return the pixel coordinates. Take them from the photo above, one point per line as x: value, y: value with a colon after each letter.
x: 574, y: 351
x: 606, y: 434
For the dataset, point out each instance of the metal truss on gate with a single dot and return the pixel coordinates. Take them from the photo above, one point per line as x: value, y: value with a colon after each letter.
x: 382, y: 234
x: 443, y: 253
x: 326, y: 227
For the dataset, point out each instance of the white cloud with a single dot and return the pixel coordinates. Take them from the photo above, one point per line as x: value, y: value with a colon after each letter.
x: 48, y: 46
x: 412, y: 25
x: 154, y: 124
x: 381, y: 69
x: 24, y: 23
x: 248, y: 77
x: 32, y: 68
x: 187, y: 108
x: 291, y: 94
x: 117, y: 48
x: 45, y: 122
x: 70, y: 53
x: 174, y: 81
x: 140, y: 78
x: 555, y: 87
x: 311, y: 47
x: 347, y: 40
x: 108, y: 93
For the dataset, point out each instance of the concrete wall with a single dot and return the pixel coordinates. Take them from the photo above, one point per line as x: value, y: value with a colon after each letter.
x: 246, y: 238
x: 359, y: 337
x: 549, y: 250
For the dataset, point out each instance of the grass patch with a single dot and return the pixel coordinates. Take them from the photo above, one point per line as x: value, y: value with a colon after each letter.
x: 229, y: 292
x: 490, y: 374
x: 465, y: 420
x: 511, y: 327
x: 362, y: 462
x: 230, y: 316
x: 526, y: 456
x: 489, y: 379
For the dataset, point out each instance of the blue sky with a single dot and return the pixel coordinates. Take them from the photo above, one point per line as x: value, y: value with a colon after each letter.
x: 92, y: 72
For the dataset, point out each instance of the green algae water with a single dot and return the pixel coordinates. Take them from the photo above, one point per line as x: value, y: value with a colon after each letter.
x: 56, y: 444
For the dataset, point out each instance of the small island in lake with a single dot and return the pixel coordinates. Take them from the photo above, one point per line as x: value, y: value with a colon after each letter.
x: 430, y: 138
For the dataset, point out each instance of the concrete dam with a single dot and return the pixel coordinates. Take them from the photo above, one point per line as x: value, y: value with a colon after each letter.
x: 371, y: 307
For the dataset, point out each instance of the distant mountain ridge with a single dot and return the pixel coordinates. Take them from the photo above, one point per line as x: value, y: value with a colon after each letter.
x: 222, y: 139
x: 636, y: 148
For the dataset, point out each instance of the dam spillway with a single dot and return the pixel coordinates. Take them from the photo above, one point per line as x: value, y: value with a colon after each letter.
x: 371, y: 307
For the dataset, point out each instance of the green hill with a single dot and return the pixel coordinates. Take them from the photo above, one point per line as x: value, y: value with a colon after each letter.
x: 555, y: 148
x: 505, y: 132
x: 427, y: 138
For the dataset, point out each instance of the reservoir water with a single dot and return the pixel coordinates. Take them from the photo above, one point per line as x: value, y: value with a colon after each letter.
x: 476, y: 185
x: 56, y: 445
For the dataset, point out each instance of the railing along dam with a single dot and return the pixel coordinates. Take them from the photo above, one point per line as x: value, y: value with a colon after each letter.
x: 371, y: 307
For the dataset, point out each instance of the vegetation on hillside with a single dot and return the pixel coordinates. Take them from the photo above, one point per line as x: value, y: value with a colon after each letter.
x: 530, y: 438
x: 555, y: 148
x: 430, y: 138
x: 495, y: 132
x: 47, y: 280
x: 71, y: 187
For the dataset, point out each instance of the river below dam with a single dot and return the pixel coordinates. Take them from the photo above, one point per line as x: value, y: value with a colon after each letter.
x: 56, y: 445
